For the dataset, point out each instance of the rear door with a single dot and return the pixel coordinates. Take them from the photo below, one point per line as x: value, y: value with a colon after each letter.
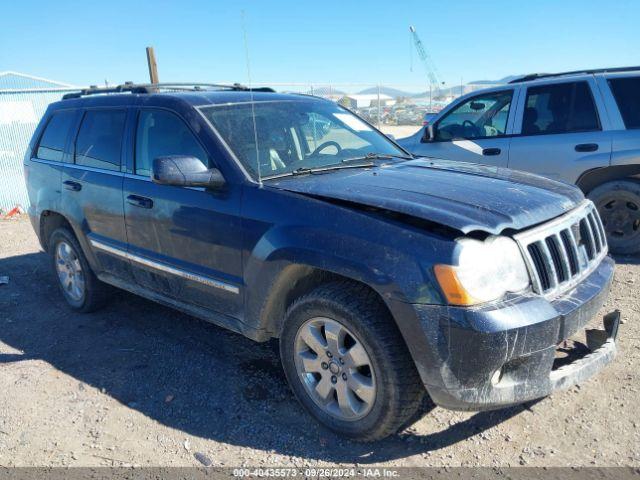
x: 621, y: 93
x: 561, y: 130
x: 476, y: 130
x: 92, y: 187
x: 184, y: 242
x: 44, y: 169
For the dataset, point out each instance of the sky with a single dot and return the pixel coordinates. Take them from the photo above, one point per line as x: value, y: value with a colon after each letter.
x: 337, y: 42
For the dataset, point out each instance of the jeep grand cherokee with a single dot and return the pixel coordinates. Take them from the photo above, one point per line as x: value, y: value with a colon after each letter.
x: 386, y: 277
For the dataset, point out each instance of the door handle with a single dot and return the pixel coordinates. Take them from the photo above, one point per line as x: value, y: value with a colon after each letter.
x: 491, y: 151
x: 586, y: 147
x: 139, y: 201
x: 73, y: 186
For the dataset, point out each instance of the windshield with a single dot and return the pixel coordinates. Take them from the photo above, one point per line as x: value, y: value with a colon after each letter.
x: 280, y: 137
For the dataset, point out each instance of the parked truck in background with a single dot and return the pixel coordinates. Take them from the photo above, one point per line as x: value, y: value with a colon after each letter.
x: 581, y: 128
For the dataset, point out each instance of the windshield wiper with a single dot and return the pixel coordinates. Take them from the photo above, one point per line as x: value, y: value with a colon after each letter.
x: 364, y: 161
x: 308, y: 171
x: 299, y: 171
x: 377, y: 156
x: 305, y: 170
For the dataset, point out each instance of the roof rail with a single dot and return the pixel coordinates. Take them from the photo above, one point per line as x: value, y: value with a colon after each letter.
x: 536, y: 76
x: 157, y: 87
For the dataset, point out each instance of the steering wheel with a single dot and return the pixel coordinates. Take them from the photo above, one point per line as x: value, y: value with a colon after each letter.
x: 474, y: 128
x: 324, y: 145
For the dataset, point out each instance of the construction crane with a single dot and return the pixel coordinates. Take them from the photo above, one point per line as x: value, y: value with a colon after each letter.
x: 432, y: 72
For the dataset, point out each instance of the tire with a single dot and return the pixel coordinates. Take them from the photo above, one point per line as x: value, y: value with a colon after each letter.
x: 618, y: 203
x: 92, y: 294
x: 394, y: 391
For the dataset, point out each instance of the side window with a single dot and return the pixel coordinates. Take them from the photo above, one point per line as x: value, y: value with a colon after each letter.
x: 479, y: 117
x: 100, y: 139
x: 559, y: 108
x: 162, y: 133
x: 55, y: 134
x: 627, y: 94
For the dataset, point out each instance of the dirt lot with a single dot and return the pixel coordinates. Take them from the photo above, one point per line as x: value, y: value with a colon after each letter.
x: 140, y: 384
x: 399, y: 131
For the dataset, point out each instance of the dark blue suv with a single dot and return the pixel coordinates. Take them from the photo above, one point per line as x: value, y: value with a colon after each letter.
x: 385, y: 277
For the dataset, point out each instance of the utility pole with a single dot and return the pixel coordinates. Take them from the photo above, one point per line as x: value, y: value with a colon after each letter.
x: 153, y: 66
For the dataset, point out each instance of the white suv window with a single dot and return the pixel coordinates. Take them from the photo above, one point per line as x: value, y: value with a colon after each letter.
x: 483, y: 116
x: 559, y: 108
x: 627, y: 94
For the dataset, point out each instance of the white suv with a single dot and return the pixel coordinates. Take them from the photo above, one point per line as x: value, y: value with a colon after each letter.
x: 578, y: 127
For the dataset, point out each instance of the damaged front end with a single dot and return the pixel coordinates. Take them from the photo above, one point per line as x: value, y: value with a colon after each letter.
x: 517, y: 266
x: 495, y: 357
x: 525, y: 346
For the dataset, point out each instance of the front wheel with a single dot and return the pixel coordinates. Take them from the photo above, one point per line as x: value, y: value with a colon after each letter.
x: 618, y: 203
x: 347, y: 362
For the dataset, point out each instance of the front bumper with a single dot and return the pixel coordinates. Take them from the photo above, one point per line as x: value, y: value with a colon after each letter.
x: 503, y: 354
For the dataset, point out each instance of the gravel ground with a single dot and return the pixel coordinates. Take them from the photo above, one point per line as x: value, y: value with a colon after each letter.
x: 399, y: 131
x: 141, y: 384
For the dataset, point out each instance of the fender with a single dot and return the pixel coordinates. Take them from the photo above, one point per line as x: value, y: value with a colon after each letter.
x: 597, y: 176
x: 291, y: 258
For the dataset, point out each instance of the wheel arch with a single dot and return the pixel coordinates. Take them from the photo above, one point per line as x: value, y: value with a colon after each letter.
x: 294, y: 281
x: 49, y: 222
x: 598, y: 176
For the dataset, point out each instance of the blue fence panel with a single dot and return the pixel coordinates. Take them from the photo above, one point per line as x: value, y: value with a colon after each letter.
x: 20, y: 112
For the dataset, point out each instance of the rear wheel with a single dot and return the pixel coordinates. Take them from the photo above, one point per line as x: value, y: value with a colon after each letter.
x: 348, y: 364
x: 80, y: 287
x: 618, y: 203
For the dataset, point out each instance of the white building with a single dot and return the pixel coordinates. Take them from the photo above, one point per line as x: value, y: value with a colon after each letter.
x: 23, y: 100
x: 358, y: 100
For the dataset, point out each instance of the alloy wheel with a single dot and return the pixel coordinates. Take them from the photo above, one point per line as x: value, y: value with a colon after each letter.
x: 335, y: 369
x: 69, y: 270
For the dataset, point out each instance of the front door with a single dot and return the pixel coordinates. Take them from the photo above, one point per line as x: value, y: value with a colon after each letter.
x: 184, y: 242
x: 475, y: 131
x: 560, y: 132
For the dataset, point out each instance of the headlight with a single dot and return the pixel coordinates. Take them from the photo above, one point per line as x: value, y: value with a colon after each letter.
x: 485, y: 271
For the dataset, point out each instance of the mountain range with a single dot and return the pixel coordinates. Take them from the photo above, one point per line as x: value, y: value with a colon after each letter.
x: 395, y: 93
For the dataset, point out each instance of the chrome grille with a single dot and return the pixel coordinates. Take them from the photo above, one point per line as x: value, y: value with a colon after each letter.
x: 563, y: 251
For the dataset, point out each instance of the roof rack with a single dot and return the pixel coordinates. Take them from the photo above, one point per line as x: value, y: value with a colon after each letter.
x: 536, y: 76
x: 157, y: 87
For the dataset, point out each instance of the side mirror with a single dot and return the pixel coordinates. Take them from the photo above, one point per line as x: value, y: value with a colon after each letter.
x: 185, y: 171
x: 429, y: 134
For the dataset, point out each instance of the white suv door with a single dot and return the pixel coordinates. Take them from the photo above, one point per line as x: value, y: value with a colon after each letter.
x: 558, y: 130
x: 476, y: 129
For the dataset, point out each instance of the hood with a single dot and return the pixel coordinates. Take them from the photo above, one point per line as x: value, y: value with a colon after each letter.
x: 464, y: 196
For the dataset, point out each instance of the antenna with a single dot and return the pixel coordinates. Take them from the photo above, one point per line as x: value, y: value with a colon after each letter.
x: 253, y: 108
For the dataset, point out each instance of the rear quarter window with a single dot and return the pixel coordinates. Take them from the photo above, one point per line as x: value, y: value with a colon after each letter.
x: 54, y: 137
x: 626, y: 91
x: 99, y: 140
